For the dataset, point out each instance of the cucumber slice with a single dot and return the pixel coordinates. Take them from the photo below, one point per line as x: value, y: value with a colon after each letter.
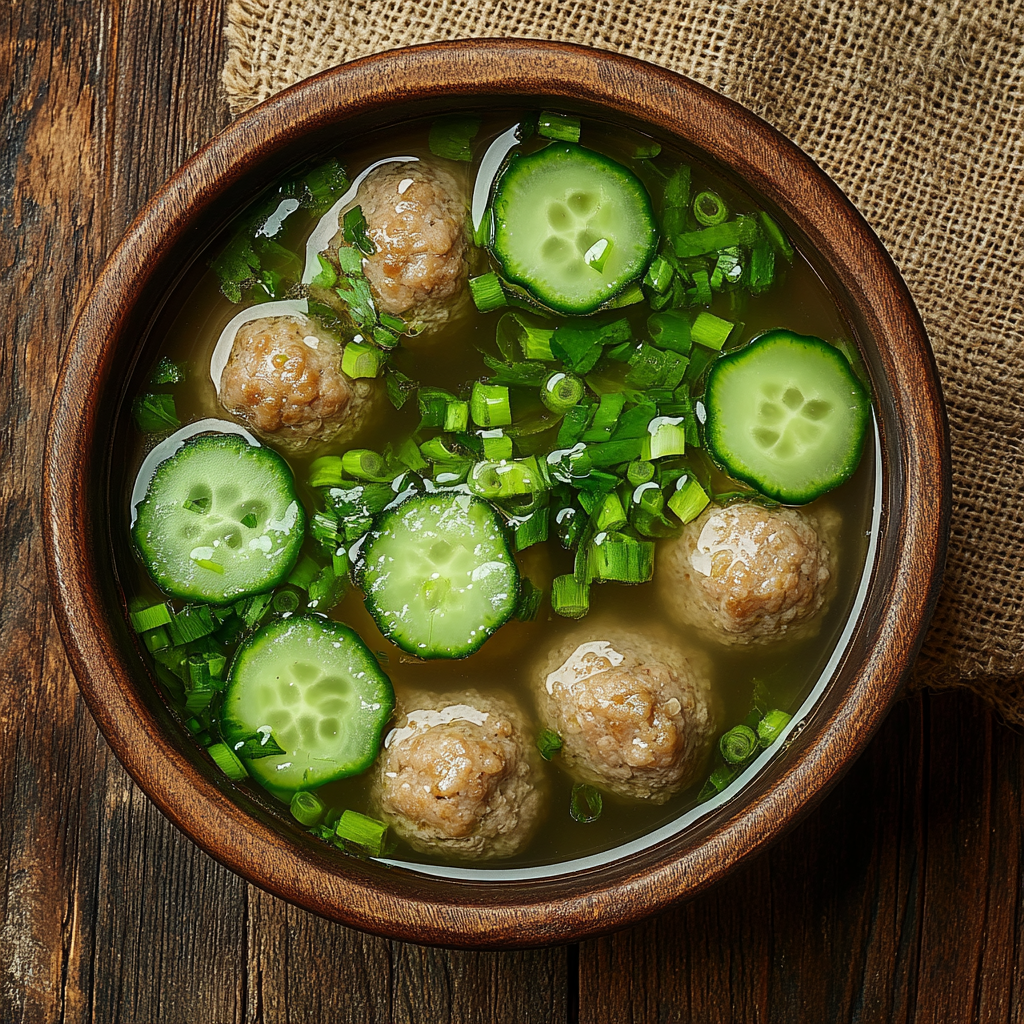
x: 438, y: 574
x: 313, y: 685
x: 572, y: 227
x: 787, y: 415
x: 220, y: 520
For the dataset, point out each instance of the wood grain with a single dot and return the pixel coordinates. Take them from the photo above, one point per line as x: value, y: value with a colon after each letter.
x: 898, y: 900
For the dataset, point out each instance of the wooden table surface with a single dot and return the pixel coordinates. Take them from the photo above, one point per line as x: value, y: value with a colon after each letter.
x: 897, y: 900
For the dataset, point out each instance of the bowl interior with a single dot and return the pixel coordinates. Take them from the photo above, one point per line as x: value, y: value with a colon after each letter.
x: 166, y: 245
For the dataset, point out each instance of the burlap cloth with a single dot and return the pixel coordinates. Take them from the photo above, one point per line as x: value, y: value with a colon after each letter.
x: 914, y: 109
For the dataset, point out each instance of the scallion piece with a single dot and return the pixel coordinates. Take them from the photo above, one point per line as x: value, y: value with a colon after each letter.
x: 761, y: 269
x: 570, y: 598
x: 666, y: 436
x: 361, y: 360
x: 670, y: 329
x: 260, y: 744
x: 740, y: 231
x: 191, y: 623
x: 561, y: 391
x: 226, y: 761
x: 777, y: 237
x: 364, y: 464
x: 622, y: 559
x: 718, y: 780
x: 350, y: 260
x: 253, y: 608
x: 357, y: 829
x: 438, y: 449
x: 156, y: 639
x: 738, y: 745
x: 409, y: 455
x: 326, y: 471
x: 354, y: 229
x: 532, y: 530
x: 285, y: 601
x: 519, y: 328
x: 573, y: 425
x: 709, y: 208
x: 529, y: 600
x: 585, y: 804
x: 326, y: 590
x: 306, y: 808
x: 304, y: 573
x: 549, y: 743
x: 167, y: 372
x: 487, y: 292
x: 702, y: 285
x: 508, y: 479
x: 711, y: 331
x: 399, y: 387
x: 659, y: 275
x: 489, y: 405
x: 560, y: 127
x: 610, y: 514
x: 688, y: 500
x: 614, y: 453
x: 456, y: 416
x: 770, y: 727
x: 451, y: 136
x: 497, y: 445
x: 150, y: 618
x: 639, y: 472
x: 155, y: 413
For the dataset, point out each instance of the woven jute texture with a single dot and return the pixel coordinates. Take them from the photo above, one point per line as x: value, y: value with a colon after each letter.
x: 914, y: 109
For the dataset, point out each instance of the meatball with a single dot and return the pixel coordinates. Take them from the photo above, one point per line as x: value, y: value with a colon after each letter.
x: 749, y: 574
x: 634, y: 711
x: 459, y: 777
x: 283, y: 379
x: 416, y: 216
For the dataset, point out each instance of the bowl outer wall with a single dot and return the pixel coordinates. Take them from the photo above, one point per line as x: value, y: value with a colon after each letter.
x: 397, y: 85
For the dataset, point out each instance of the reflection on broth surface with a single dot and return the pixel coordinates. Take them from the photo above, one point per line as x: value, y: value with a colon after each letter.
x: 338, y: 328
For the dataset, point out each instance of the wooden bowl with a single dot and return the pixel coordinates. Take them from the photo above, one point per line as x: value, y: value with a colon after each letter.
x: 167, y: 236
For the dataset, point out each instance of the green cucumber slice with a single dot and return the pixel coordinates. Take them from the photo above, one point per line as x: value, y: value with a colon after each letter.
x: 787, y: 415
x: 438, y: 574
x: 572, y: 226
x: 313, y: 685
x: 220, y: 520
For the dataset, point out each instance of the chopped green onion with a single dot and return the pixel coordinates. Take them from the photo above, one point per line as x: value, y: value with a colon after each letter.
x: 613, y: 453
x: 359, y: 360
x: 740, y: 231
x: 158, y: 639
x: 324, y: 530
x: 728, y: 268
x: 350, y: 259
x: 670, y: 329
x: 634, y: 421
x: 260, y: 744
x: 677, y: 188
x: 326, y: 471
x: 561, y: 127
x: 526, y: 331
x: 325, y: 185
x: 306, y: 808
x: 399, y: 386
x: 688, y: 500
x: 327, y: 276
x: 770, y: 727
x: 629, y: 296
x: 439, y: 449
x: 155, y: 413
x: 561, y: 391
x: 622, y: 559
x: 579, y: 348
x: 354, y: 229
x: 489, y: 405
x: 702, y: 283
x: 738, y: 745
x: 610, y: 514
x: 709, y: 208
x: 573, y: 426
x: 549, y: 743
x: 639, y: 472
x: 607, y: 414
x: 761, y: 269
x: 508, y: 479
x: 226, y: 761
x: 364, y: 464
x: 497, y: 445
x: 252, y: 609
x: 665, y: 436
x: 409, y: 455
x: 597, y: 255
x: 304, y: 573
x: 646, y: 150
x: 433, y: 405
x: 776, y: 236
x: 285, y: 601
x: 585, y: 804
x: 532, y: 530
x: 451, y: 135
x: 456, y: 416
x: 718, y: 780
x: 150, y: 618
x: 487, y: 292
x: 167, y: 372
x: 327, y: 589
x: 659, y: 275
x: 359, y: 830
x: 569, y: 597
x: 191, y: 623
x: 711, y: 331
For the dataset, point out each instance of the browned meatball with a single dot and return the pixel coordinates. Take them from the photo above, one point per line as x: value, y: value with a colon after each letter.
x: 748, y: 574
x: 634, y: 711
x: 416, y: 216
x: 283, y: 378
x: 458, y: 776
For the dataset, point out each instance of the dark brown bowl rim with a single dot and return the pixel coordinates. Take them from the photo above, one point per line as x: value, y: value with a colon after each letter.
x: 916, y: 482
